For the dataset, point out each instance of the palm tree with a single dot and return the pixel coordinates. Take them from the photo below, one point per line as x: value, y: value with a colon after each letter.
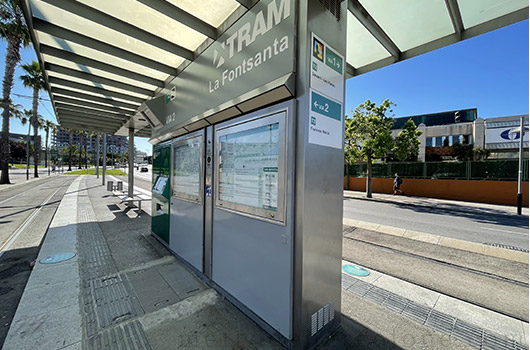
x: 48, y: 125
x: 71, y: 134
x: 35, y: 80
x: 13, y: 29
x: 26, y: 118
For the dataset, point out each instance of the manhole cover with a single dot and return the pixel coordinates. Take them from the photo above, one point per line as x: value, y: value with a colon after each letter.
x: 355, y: 270
x: 55, y: 258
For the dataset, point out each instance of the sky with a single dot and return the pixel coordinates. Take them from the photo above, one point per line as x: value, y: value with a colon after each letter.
x: 488, y: 72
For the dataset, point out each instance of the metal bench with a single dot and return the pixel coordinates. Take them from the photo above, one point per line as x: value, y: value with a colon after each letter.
x: 135, y: 198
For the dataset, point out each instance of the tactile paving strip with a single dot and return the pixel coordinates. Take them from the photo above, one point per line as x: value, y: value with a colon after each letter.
x: 475, y: 336
x: 113, y: 300
x: 129, y: 336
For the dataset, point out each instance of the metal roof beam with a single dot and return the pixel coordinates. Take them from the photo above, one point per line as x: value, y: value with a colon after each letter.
x: 87, y: 127
x: 58, y: 90
x: 246, y: 3
x: 83, y: 118
x: 97, y: 90
x: 182, y: 16
x: 89, y: 111
x: 123, y: 27
x: 59, y: 32
x: 85, y: 61
x: 456, y: 17
x: 90, y: 105
x: 96, y: 78
x: 359, y: 12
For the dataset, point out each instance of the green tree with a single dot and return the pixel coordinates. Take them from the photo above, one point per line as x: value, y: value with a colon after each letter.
x: 13, y: 29
x: 367, y: 135
x: 34, y: 80
x: 462, y: 152
x: 480, y: 153
x: 407, y: 142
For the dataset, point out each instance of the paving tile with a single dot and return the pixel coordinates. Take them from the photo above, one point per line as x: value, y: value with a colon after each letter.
x: 180, y: 279
x: 51, y: 275
x: 389, y: 230
x: 408, y: 290
x: 52, y: 330
x: 420, y: 236
x: 48, y: 298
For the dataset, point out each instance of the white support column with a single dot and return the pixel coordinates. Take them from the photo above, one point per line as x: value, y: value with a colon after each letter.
x: 131, y: 165
x: 104, y: 158
x: 97, y: 155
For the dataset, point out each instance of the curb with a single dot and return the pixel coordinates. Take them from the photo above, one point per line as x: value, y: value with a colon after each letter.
x: 483, y: 249
x: 439, y: 208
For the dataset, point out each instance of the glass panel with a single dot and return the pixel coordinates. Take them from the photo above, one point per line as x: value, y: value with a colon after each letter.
x: 94, y: 94
x: 428, y: 142
x: 475, y: 12
x: 411, y: 23
x: 213, y: 12
x: 98, y: 72
x: 101, y: 57
x: 96, y: 85
x: 152, y: 21
x: 248, y: 167
x: 88, y: 28
x: 187, y: 169
x: 362, y: 48
x: 130, y: 111
x: 439, y: 141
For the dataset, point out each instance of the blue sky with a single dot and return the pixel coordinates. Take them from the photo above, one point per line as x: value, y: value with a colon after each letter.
x: 488, y: 72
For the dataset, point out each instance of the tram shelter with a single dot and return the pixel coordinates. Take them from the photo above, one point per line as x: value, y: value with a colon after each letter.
x: 244, y: 104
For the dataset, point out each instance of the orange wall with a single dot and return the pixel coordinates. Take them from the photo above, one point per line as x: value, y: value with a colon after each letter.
x: 496, y: 192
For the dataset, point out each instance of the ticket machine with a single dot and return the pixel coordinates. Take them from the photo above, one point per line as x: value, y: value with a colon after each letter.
x: 161, y: 191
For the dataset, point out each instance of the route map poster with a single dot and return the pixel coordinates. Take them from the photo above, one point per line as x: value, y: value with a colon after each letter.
x: 186, y: 178
x: 248, y: 167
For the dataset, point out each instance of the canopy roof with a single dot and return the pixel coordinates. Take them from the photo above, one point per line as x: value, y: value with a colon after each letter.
x: 103, y: 59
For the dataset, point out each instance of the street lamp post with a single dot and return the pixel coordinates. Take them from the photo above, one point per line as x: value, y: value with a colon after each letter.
x: 520, y: 130
x: 520, y: 175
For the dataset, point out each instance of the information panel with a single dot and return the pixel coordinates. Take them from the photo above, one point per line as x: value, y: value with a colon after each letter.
x: 248, y: 170
x: 251, y: 159
x: 187, y: 168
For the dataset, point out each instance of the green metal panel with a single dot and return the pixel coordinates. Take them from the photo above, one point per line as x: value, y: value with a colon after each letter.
x: 160, y: 202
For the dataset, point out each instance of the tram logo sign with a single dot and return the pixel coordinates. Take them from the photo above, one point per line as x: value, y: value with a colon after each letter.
x: 250, y: 56
x: 248, y: 32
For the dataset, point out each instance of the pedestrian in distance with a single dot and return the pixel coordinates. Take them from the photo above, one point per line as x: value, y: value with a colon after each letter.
x: 397, y: 184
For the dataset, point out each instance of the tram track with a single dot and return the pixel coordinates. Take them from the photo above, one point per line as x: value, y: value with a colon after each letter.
x: 23, y: 192
x: 473, y: 285
x: 441, y: 262
x: 8, y: 242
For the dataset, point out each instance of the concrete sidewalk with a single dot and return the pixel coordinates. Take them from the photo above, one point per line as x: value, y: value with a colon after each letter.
x: 441, y: 204
x: 124, y: 290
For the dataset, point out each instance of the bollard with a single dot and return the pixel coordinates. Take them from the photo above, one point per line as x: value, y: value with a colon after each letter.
x: 119, y: 185
x: 110, y: 185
